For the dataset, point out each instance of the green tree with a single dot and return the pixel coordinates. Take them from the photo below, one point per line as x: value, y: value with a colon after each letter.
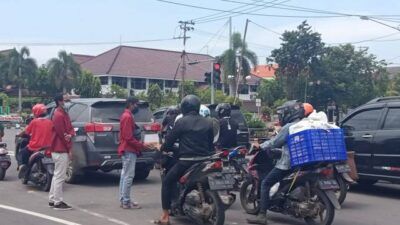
x: 350, y: 77
x: 189, y: 88
x: 219, y: 97
x: 155, y: 96
x: 88, y: 86
x: 299, y: 52
x: 230, y: 65
x: 118, y: 91
x: 41, y: 83
x: 20, y: 68
x: 269, y: 91
x: 64, y: 70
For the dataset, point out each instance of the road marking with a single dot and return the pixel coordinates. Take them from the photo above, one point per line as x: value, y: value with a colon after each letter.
x: 38, y: 215
x: 110, y: 219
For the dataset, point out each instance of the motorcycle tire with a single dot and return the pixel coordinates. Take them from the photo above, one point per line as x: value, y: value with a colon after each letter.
x: 46, y: 187
x: 250, y: 207
x: 329, y: 208
x: 342, y: 192
x: 219, y: 214
x: 2, y: 173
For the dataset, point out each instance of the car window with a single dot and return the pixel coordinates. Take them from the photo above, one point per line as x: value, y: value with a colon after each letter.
x: 158, y: 115
x: 392, y: 121
x: 79, y: 113
x: 110, y: 112
x: 365, y: 120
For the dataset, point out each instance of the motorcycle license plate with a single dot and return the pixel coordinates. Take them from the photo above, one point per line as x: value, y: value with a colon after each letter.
x: 343, y: 168
x: 228, y: 170
x: 221, y: 181
x: 328, y: 184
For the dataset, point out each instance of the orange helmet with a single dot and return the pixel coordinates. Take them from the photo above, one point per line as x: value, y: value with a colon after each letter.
x: 39, y: 109
x: 308, y: 109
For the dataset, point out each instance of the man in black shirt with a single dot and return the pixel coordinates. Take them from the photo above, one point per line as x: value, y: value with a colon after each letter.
x: 228, y: 128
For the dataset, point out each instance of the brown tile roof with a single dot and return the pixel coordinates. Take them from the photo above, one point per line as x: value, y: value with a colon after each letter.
x: 78, y: 58
x: 265, y: 71
x: 145, y: 62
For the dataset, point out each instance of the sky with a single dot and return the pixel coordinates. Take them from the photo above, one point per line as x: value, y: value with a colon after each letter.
x: 94, y: 26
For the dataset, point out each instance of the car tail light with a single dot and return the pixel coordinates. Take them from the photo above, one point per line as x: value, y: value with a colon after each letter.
x: 92, y: 128
x: 155, y: 127
x: 217, y: 165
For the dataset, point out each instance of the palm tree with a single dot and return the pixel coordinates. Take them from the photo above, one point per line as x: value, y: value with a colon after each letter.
x: 230, y: 60
x: 20, y: 67
x: 64, y: 70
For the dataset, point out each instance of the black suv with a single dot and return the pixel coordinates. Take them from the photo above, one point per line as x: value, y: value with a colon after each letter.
x: 96, y: 122
x: 373, y: 132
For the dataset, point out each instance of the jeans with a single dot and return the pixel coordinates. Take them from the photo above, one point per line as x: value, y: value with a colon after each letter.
x: 127, y: 175
x: 270, y: 180
x: 24, y: 155
x: 61, y: 161
x: 169, y: 183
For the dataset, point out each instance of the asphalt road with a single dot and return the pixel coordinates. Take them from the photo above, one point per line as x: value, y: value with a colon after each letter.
x: 95, y: 202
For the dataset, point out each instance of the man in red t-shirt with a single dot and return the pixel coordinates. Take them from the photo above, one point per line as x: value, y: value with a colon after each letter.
x: 40, y: 131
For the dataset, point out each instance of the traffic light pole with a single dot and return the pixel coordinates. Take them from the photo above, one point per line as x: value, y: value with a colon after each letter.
x: 212, y: 83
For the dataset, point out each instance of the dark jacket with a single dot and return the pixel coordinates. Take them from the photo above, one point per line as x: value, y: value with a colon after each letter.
x: 127, y: 140
x: 62, y: 127
x: 195, y: 135
x: 227, y: 133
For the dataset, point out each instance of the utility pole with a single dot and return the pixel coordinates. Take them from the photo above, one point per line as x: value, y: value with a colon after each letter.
x: 241, y: 62
x: 185, y: 26
x: 230, y: 33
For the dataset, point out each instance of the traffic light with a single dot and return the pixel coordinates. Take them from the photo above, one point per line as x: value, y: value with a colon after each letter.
x: 207, y: 77
x: 217, y: 72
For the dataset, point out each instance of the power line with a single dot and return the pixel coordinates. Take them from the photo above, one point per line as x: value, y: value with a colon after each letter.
x: 212, y: 37
x: 254, y: 14
x: 249, y: 10
x: 83, y: 43
x: 266, y: 28
x: 367, y: 40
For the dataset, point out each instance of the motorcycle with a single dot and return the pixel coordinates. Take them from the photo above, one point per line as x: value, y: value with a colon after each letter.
x: 307, y: 193
x: 197, y: 195
x: 342, y: 170
x: 40, y: 170
x: 5, y: 160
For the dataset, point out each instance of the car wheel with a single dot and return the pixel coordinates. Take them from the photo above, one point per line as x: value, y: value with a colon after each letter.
x: 142, y: 175
x: 74, y: 175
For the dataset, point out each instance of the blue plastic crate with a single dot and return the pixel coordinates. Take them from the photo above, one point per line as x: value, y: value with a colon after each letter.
x: 316, y: 145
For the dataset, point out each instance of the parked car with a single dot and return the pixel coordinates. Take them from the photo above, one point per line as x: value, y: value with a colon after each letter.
x: 160, y: 114
x: 96, y: 121
x: 236, y: 115
x: 373, y: 132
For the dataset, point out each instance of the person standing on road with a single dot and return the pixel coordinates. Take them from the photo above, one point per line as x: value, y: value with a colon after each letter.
x: 61, y: 152
x: 129, y: 149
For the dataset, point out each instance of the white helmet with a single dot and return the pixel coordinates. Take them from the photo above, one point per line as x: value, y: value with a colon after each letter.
x: 204, y: 111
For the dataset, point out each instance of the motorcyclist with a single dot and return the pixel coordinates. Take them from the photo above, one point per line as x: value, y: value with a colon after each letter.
x: 40, y: 130
x: 289, y: 113
x: 169, y: 120
x: 228, y: 128
x: 195, y: 135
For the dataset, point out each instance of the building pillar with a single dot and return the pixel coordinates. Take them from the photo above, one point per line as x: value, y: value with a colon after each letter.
x: 147, y: 85
x: 109, y: 81
x: 128, y: 86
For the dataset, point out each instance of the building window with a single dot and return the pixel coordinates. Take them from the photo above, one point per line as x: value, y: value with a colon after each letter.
x: 138, y: 83
x: 171, y: 84
x: 244, y: 89
x: 253, y: 88
x: 120, y: 81
x: 104, y: 80
x: 159, y: 82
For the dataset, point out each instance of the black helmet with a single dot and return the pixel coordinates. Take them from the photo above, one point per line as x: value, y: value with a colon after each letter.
x: 223, y: 110
x: 190, y: 103
x: 290, y: 111
x: 173, y: 111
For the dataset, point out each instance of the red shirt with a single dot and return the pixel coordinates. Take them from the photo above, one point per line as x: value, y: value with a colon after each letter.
x: 62, y: 127
x: 41, y: 132
x: 127, y: 141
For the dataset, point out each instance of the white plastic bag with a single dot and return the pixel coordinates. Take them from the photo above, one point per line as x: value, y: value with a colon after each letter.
x: 316, y: 120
